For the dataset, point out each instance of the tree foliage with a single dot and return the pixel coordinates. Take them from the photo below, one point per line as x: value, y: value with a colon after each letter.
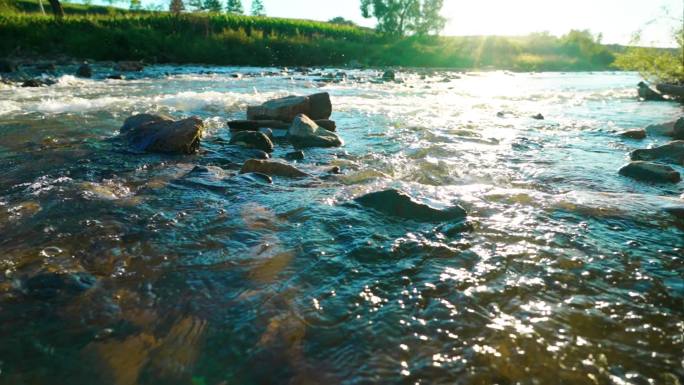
x: 401, y: 17
x: 339, y: 20
x: 176, y: 6
x: 258, y: 8
x: 235, y: 6
x: 213, y: 6
x: 656, y: 64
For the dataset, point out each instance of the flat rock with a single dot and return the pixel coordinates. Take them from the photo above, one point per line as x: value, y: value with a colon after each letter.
x: 170, y: 137
x: 317, y: 106
x: 399, y: 204
x: 671, y: 152
x: 638, y: 133
x: 272, y: 168
x: 650, y: 172
x: 252, y: 139
x: 304, y: 132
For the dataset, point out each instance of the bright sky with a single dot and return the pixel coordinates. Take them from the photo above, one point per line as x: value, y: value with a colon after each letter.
x: 616, y: 19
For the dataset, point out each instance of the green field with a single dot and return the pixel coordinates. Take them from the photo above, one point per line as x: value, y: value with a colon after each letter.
x: 107, y: 33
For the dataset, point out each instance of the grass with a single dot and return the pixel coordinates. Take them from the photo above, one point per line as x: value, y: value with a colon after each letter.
x: 107, y: 33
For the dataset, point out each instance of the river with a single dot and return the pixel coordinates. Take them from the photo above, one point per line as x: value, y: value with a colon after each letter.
x: 569, y: 273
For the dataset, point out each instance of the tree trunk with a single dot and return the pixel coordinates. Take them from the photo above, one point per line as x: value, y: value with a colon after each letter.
x: 57, y: 8
x: 42, y: 10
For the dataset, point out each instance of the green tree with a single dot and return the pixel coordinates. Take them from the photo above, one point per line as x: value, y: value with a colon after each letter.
x: 235, y: 6
x: 339, y: 20
x: 176, y: 6
x: 258, y: 8
x: 213, y: 6
x: 401, y: 17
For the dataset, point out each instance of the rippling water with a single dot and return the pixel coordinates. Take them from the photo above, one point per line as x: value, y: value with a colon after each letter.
x: 571, y: 274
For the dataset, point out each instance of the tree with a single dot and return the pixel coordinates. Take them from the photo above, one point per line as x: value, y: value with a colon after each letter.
x: 341, y: 21
x: 176, y: 7
x: 235, y: 6
x: 196, y: 5
x: 258, y: 8
x: 399, y: 17
x: 57, y: 8
x: 213, y: 6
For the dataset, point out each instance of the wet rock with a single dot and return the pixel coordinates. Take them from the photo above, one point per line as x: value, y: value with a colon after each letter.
x: 671, y: 152
x: 662, y: 129
x: 171, y: 137
x: 677, y: 211
x: 115, y: 77
x: 639, y: 133
x: 328, y: 124
x: 7, y: 66
x: 295, y: 155
x: 252, y: 139
x: 646, y: 93
x: 317, y: 106
x: 335, y: 170
x: 272, y: 168
x: 255, y: 125
x: 650, y: 172
x: 140, y: 119
x: 396, y: 203
x: 389, y: 75
x: 51, y: 285
x: 674, y: 90
x: 256, y: 177
x: 129, y: 66
x: 84, y: 71
x: 678, y: 129
x: 267, y: 131
x: 538, y: 117
x: 36, y: 83
x: 304, y: 132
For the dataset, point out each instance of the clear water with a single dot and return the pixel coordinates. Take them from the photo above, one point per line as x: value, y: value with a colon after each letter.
x: 571, y: 274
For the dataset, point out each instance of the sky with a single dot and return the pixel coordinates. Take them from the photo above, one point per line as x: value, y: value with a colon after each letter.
x: 617, y: 20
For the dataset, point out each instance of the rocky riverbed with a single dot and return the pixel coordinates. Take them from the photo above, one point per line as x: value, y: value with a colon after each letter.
x: 213, y: 225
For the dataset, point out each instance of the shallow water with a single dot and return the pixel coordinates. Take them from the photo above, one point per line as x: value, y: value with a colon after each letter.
x: 571, y: 274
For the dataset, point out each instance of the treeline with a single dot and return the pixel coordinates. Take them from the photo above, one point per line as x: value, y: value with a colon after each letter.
x: 231, y: 39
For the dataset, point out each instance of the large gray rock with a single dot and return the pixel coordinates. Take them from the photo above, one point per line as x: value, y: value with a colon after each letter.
x: 673, y: 90
x: 140, y: 119
x: 662, y: 129
x: 317, y: 106
x: 166, y: 136
x: 272, y: 168
x: 671, y: 152
x: 650, y: 172
x: 399, y: 204
x: 252, y: 139
x: 304, y: 132
x: 646, y: 93
x: 678, y: 129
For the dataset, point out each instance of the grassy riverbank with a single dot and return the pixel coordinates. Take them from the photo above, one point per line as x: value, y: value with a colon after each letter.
x: 245, y: 40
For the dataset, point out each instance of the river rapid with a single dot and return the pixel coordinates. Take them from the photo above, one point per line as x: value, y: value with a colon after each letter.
x: 566, y: 273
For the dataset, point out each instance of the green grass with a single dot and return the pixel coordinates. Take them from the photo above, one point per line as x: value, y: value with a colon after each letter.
x: 107, y: 33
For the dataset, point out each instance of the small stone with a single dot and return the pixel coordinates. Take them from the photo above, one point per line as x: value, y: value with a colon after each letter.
x: 389, y: 75
x: 252, y: 139
x: 304, y: 132
x: 295, y: 155
x: 639, y: 133
x: 538, y: 117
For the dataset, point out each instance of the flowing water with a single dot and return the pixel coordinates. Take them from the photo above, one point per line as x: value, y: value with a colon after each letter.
x: 568, y: 273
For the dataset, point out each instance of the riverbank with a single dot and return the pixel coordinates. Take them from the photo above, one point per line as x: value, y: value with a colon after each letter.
x: 160, y: 37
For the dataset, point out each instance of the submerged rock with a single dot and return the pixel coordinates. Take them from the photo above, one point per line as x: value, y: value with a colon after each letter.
x: 37, y: 83
x: 671, y: 152
x: 129, y: 66
x: 650, y: 172
x: 84, y: 71
x: 304, y: 132
x: 646, y: 93
x: 316, y: 106
x: 396, y: 203
x: 164, y: 136
x: 272, y: 168
x: 538, y: 117
x: 252, y: 139
x: 638, y: 133
x: 295, y: 155
x: 51, y: 285
x: 677, y: 211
